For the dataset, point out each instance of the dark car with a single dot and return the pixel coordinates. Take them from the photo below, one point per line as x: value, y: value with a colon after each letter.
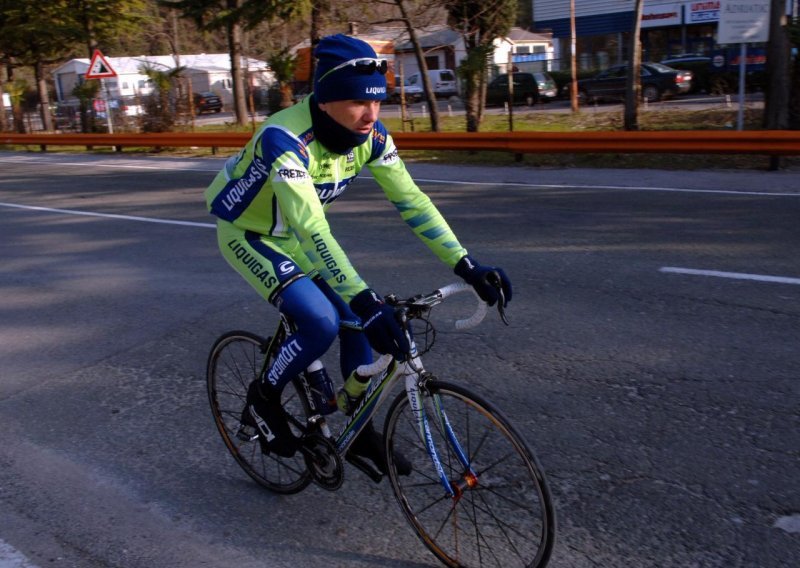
x: 658, y: 82
x: 207, y: 102
x: 526, y: 89
x: 685, y: 59
x: 701, y: 66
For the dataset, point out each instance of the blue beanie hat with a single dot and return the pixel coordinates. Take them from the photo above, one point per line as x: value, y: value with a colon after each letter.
x: 346, y: 83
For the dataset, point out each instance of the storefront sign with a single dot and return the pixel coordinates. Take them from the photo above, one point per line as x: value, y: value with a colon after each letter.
x: 743, y: 21
x: 661, y: 15
x: 702, y: 12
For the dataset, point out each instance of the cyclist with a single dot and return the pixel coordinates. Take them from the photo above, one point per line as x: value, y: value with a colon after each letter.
x: 270, y: 202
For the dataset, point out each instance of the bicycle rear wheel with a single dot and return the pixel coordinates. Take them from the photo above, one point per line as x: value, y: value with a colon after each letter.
x: 503, y: 515
x: 236, y: 359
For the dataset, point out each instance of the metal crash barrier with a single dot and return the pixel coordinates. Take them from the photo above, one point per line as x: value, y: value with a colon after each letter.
x: 764, y: 142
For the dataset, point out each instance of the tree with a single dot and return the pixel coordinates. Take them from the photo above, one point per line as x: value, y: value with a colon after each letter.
x: 633, y: 84
x: 3, y: 117
x: 34, y: 34
x: 411, y: 14
x: 794, y: 90
x: 16, y: 89
x: 86, y: 92
x: 99, y: 22
x: 235, y: 17
x: 776, y: 101
x: 159, y: 111
x: 282, y: 64
x: 480, y: 22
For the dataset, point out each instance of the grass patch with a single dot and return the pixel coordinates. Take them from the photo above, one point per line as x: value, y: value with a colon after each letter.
x: 590, y: 119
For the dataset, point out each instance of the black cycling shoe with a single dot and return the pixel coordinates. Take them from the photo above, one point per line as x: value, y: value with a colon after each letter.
x: 369, y: 444
x: 267, y: 417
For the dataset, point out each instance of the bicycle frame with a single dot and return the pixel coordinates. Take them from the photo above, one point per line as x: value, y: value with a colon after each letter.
x: 385, y: 374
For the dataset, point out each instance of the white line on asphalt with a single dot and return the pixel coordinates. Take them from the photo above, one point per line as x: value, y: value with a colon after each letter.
x: 735, y: 275
x: 162, y: 166
x: 110, y: 216
x: 611, y: 187
x: 189, y: 166
x: 10, y: 557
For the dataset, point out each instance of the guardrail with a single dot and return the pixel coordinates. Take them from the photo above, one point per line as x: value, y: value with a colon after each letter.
x: 763, y: 142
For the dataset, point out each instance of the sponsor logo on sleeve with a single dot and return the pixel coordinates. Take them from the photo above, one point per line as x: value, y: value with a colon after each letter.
x: 289, y: 174
x: 390, y: 158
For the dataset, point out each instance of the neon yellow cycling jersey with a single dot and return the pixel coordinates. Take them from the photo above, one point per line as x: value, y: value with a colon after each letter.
x: 282, y: 182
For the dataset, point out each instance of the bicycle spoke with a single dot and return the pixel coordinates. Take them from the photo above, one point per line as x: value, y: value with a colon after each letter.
x: 503, y: 516
x: 235, y: 361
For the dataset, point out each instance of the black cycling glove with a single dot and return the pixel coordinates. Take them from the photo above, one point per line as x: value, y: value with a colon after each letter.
x: 383, y: 332
x: 487, y: 280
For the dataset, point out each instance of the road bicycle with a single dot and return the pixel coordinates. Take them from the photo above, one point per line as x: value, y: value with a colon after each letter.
x: 476, y: 496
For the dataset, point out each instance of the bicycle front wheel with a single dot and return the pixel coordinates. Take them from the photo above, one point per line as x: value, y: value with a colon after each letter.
x: 501, y: 514
x: 236, y: 359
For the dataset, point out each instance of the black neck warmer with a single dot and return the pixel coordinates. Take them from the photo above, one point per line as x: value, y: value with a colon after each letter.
x: 331, y: 134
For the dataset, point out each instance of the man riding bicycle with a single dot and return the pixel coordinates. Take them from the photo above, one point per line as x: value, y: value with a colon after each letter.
x: 270, y: 202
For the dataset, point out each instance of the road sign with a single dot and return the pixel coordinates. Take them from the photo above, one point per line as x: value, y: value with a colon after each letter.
x: 99, y: 67
x: 743, y: 21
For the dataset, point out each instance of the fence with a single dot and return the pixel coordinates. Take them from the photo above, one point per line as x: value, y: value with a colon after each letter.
x: 758, y: 142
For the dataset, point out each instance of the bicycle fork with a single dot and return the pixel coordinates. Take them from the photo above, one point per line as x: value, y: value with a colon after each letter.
x: 455, y: 488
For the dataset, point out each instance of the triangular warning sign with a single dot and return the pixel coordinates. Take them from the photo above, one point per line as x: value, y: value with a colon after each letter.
x: 99, y: 67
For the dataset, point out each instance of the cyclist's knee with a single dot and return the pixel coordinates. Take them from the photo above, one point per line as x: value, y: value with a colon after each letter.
x: 310, y: 310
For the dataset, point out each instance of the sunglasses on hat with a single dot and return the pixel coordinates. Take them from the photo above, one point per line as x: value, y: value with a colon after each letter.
x: 363, y: 65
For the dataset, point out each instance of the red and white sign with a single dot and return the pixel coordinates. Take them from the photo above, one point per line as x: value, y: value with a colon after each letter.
x: 662, y: 15
x: 99, y: 105
x: 99, y: 67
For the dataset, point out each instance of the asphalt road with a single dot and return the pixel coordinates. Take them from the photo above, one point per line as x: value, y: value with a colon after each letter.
x: 662, y: 402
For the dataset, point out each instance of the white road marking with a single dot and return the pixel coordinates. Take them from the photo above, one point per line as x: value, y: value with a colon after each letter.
x: 178, y: 165
x: 10, y: 557
x: 110, y: 216
x: 734, y: 275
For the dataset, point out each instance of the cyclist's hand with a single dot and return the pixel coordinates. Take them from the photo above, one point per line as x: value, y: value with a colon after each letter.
x: 491, y: 284
x: 383, y: 332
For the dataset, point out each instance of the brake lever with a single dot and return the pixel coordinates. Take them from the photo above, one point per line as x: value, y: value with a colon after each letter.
x: 501, y: 301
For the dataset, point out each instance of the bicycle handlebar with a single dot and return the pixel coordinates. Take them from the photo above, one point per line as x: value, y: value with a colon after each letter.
x: 375, y: 367
x: 429, y: 301
x: 480, y: 311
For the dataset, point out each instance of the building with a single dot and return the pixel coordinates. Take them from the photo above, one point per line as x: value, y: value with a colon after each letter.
x: 668, y: 29
x: 444, y: 48
x: 530, y: 52
x: 207, y: 72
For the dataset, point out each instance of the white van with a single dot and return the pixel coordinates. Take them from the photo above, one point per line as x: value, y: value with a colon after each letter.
x: 443, y: 82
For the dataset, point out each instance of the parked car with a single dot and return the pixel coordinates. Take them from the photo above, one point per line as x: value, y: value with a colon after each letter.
x: 685, y: 58
x: 412, y: 93
x: 658, y: 81
x: 207, y: 102
x: 443, y: 82
x: 548, y: 90
x: 526, y: 89
x: 701, y: 66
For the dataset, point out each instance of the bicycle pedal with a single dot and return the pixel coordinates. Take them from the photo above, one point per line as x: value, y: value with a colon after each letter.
x: 247, y: 433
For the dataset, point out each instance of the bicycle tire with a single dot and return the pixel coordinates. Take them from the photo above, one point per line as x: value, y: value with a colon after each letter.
x: 506, y: 519
x: 235, y: 360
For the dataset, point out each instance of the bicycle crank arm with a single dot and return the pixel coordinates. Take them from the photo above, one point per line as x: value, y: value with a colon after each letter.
x: 367, y: 468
